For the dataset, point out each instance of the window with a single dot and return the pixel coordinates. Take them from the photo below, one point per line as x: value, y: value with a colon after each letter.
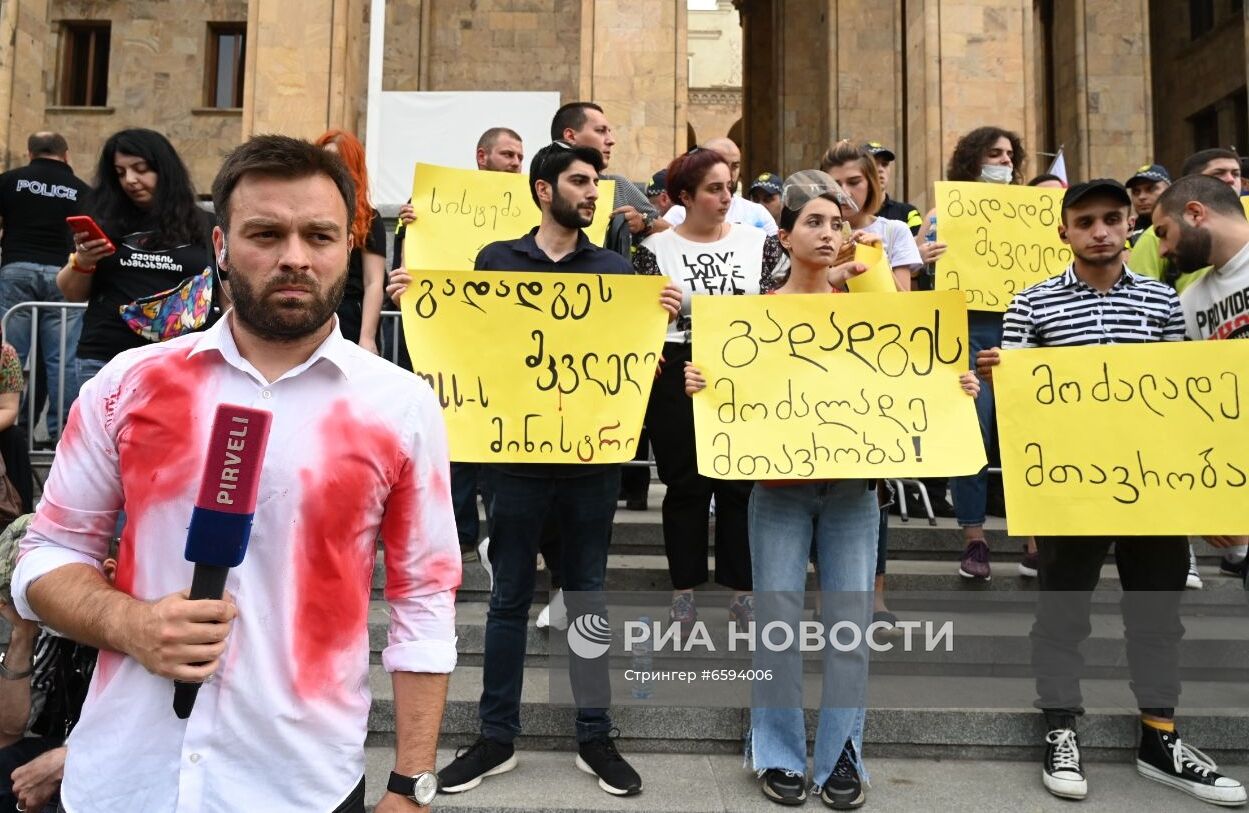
x: 223, y: 81
x: 1200, y: 17
x: 84, y: 64
x: 1205, y: 126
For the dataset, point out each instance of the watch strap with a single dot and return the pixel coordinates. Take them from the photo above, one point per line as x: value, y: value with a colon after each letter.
x: 402, y: 785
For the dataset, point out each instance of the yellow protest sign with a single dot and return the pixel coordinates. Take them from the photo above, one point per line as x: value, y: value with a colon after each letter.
x: 878, y: 278
x: 804, y: 386
x: 537, y: 367
x: 459, y: 211
x: 1141, y: 439
x: 1244, y: 204
x: 1002, y: 239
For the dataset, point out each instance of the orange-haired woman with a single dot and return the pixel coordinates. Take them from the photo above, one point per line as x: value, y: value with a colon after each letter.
x: 361, y: 309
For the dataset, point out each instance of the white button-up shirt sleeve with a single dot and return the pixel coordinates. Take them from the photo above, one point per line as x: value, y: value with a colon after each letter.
x: 77, y: 515
x: 422, y: 551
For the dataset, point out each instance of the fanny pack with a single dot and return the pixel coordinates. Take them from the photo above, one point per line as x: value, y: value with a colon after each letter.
x: 173, y: 313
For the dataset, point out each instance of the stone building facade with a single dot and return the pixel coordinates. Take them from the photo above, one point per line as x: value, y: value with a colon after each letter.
x: 1116, y: 82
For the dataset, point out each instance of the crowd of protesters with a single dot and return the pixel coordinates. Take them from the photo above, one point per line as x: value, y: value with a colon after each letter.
x: 163, y: 280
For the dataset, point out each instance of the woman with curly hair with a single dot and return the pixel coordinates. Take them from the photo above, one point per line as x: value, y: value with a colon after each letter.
x: 988, y: 155
x: 153, y: 278
x: 360, y: 313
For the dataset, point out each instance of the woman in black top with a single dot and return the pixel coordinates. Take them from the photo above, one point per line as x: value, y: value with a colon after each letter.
x: 156, y: 280
x: 360, y: 313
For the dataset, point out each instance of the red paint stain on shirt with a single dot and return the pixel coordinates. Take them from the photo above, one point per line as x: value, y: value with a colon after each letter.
x: 160, y: 440
x: 335, y: 545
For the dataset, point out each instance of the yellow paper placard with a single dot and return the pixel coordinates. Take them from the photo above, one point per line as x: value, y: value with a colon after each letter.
x: 1244, y: 203
x: 1002, y: 239
x: 460, y: 211
x: 1142, y: 439
x: 804, y: 386
x: 537, y: 367
x: 878, y: 278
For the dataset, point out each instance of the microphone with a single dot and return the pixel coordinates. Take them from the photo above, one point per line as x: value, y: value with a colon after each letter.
x: 221, y: 522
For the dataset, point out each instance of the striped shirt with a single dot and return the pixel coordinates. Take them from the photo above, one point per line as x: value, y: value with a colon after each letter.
x: 1066, y: 311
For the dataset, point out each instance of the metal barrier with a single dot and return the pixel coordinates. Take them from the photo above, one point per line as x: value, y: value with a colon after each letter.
x: 41, y: 458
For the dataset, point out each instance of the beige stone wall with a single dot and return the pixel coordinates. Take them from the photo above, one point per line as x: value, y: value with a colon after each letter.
x: 156, y: 79
x: 714, y: 111
x: 806, y: 30
x: 869, y: 76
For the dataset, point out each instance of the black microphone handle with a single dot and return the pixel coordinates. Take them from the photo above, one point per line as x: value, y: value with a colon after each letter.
x: 209, y: 582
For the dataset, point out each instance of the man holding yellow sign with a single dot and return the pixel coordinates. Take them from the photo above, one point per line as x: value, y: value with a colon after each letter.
x: 563, y: 182
x: 1098, y: 300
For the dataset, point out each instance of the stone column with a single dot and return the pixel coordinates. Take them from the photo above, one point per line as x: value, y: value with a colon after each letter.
x: 23, y: 97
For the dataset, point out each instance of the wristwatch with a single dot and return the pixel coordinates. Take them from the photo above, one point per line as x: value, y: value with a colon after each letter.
x: 648, y: 220
x: 421, y: 788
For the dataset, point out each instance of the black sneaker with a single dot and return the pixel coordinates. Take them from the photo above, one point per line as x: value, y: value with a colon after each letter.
x: 844, y: 789
x: 1062, y: 774
x: 600, y: 758
x: 1163, y: 758
x: 473, y: 763
x: 1233, y: 567
x: 784, y: 787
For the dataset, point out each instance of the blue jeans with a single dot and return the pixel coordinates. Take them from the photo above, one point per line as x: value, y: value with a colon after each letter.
x: 984, y: 330
x: 467, y: 480
x: 32, y: 282
x: 88, y: 369
x: 844, y: 517
x: 583, y: 509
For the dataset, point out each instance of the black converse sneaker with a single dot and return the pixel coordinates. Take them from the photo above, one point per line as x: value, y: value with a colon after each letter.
x: 473, y: 763
x: 844, y: 789
x: 1062, y: 773
x: 783, y: 787
x: 600, y: 758
x: 1163, y: 758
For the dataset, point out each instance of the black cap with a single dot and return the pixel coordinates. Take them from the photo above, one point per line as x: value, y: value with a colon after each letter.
x: 658, y: 182
x: 1151, y: 173
x: 1098, y: 186
x: 769, y: 182
x: 879, y: 150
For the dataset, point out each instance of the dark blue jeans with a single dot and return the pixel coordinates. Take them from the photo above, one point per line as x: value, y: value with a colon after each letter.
x: 970, y: 493
x: 467, y: 481
x: 583, y: 509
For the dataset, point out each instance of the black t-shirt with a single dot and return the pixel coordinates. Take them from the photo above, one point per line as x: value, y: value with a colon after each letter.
x: 133, y: 273
x: 901, y: 210
x: 34, y: 202
x: 374, y: 243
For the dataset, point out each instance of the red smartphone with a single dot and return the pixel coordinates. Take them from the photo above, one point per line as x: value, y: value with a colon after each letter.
x: 89, y: 229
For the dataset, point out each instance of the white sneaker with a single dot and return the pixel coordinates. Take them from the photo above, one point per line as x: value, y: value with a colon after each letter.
x: 483, y: 555
x: 1194, y: 578
x: 554, y: 614
x: 1061, y: 773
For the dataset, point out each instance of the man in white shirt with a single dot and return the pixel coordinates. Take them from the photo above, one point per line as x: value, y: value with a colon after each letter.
x: 740, y: 209
x: 357, y: 450
x: 1199, y: 222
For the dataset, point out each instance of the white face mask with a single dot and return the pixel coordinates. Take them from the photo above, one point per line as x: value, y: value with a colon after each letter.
x: 996, y: 173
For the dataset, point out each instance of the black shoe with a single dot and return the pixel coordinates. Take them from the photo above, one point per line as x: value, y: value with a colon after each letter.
x: 1061, y: 773
x: 844, y: 789
x: 635, y: 504
x: 784, y: 787
x: 1163, y: 758
x: 473, y: 763
x: 942, y: 508
x: 1228, y: 567
x: 600, y: 758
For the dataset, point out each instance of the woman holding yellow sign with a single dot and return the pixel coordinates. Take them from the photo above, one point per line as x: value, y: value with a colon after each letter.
x: 783, y: 515
x: 704, y: 255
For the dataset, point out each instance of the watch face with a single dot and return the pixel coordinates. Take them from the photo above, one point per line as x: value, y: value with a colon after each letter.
x: 426, y: 788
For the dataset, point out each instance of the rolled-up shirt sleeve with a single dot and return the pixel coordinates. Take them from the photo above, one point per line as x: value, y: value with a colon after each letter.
x: 77, y: 514
x: 422, y: 551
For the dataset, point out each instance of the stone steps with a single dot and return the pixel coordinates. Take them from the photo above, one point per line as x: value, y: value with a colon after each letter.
x: 718, y: 783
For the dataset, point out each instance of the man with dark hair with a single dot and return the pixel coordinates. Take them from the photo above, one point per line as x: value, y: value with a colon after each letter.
x: 564, y: 182
x: 584, y: 124
x: 893, y: 209
x: 1098, y: 300
x: 766, y: 191
x: 1145, y: 186
x: 1146, y: 258
x: 357, y: 452
x: 1200, y: 223
x: 34, y: 242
